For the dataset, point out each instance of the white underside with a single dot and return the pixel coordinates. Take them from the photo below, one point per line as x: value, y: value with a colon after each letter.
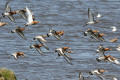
x: 92, y: 22
x: 6, y: 14
x: 41, y: 38
x: 95, y: 72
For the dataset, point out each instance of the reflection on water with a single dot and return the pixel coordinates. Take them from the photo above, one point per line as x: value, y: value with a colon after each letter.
x: 67, y: 15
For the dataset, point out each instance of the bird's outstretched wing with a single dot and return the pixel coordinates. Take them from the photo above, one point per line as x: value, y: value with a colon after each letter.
x: 94, y: 36
x: 101, y: 77
x: 7, y: 7
x: 67, y: 59
x: 81, y: 76
x: 43, y: 43
x: 57, y: 37
x: 11, y: 18
x: 22, y: 13
x: 45, y: 46
x: 29, y: 15
x: 90, y: 15
x: 21, y: 34
x: 39, y: 51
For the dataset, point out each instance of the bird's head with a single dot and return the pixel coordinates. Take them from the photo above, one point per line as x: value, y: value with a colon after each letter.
x: 98, y: 59
x: 3, y: 15
x: 34, y: 38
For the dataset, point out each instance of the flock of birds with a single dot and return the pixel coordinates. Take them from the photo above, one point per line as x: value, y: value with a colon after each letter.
x: 103, y: 57
x: 27, y: 14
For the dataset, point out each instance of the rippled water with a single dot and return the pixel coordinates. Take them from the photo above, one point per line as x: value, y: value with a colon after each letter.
x: 67, y: 15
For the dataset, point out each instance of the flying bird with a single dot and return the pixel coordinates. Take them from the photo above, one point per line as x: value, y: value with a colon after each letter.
x: 8, y: 12
x: 18, y: 54
x: 56, y: 34
x: 42, y: 40
x: 113, y: 40
x: 62, y: 51
x: 37, y: 47
x: 22, y: 12
x: 97, y: 72
x: 3, y: 24
x: 19, y: 31
x: 81, y: 76
x: 114, y: 28
x: 30, y: 18
x: 91, y: 18
x: 102, y: 50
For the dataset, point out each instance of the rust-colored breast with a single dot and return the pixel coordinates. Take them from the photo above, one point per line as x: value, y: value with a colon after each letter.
x: 60, y: 32
x: 12, y: 12
x: 95, y: 31
x: 65, y: 48
x: 20, y: 53
x: 106, y: 49
x: 21, y: 29
x: 35, y: 22
x: 101, y: 70
x: 38, y: 46
x: 102, y: 34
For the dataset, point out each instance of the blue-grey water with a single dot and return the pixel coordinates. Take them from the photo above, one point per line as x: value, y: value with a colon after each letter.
x: 67, y: 15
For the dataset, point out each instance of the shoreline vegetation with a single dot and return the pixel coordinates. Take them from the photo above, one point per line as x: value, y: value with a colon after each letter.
x: 6, y: 74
